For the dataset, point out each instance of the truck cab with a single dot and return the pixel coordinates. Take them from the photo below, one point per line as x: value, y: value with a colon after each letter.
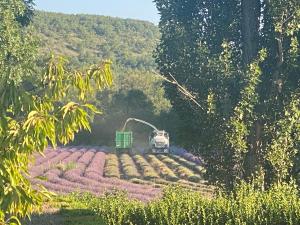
x: 159, y: 141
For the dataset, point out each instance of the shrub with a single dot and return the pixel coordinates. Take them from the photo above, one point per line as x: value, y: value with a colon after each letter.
x: 279, y: 205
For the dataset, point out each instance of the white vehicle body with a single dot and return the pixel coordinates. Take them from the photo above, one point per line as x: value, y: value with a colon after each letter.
x: 159, y: 141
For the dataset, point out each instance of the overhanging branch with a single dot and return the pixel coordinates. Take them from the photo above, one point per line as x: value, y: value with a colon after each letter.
x: 180, y: 88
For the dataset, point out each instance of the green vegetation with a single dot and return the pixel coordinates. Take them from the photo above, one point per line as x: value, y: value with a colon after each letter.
x: 177, y: 206
x: 87, y: 39
x: 64, y: 210
x: 32, y: 112
x: 240, y: 60
x: 279, y: 205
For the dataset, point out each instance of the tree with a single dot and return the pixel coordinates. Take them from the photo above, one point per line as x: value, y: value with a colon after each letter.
x: 212, y: 48
x: 25, y: 18
x: 250, y: 29
x: 33, y: 113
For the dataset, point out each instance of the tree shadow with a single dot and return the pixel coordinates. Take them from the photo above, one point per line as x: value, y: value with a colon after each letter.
x: 65, y: 217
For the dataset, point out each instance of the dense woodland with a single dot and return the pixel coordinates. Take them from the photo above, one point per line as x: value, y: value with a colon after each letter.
x: 87, y: 39
x: 229, y: 90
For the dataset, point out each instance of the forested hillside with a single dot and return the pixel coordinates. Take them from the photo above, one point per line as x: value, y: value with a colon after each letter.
x: 88, y: 39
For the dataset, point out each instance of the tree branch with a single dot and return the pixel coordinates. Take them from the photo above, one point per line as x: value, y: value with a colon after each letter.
x: 180, y: 88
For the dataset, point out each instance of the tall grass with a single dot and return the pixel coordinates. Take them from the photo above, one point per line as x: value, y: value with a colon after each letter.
x: 279, y: 205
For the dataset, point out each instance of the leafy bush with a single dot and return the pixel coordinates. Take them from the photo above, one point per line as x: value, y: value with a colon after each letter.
x: 245, y: 205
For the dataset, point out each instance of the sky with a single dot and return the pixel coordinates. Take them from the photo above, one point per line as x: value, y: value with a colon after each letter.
x: 134, y: 9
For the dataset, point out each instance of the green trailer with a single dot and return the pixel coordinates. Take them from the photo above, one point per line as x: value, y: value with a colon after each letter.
x: 124, y: 139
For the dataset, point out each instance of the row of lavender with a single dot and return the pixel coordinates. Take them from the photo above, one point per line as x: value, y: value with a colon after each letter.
x: 91, y: 164
x: 185, y: 154
x: 87, y: 175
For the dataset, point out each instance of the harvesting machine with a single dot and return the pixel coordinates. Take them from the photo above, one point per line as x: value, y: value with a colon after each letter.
x: 158, y: 139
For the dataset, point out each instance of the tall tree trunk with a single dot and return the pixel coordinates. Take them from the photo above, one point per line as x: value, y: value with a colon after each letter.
x: 250, y: 29
x: 251, y: 12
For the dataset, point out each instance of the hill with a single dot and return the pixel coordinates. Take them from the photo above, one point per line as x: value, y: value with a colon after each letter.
x: 86, y: 39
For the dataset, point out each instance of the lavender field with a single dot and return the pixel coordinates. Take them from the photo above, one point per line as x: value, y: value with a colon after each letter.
x: 96, y: 170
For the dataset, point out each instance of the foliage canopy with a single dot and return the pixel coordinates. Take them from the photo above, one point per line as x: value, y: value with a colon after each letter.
x: 33, y: 114
x: 241, y: 59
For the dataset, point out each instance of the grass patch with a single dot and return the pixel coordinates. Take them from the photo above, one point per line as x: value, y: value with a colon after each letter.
x: 64, y: 210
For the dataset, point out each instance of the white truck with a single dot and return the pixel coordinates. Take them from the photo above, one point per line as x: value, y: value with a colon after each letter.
x: 159, y: 141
